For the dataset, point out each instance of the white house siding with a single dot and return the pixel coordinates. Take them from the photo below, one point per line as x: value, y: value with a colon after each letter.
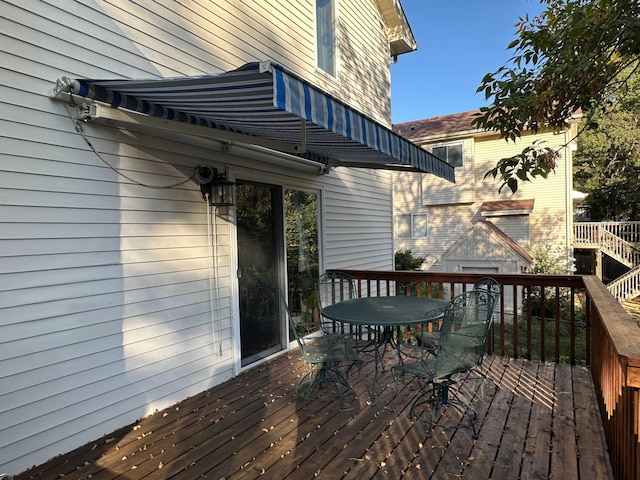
x: 446, y: 223
x: 358, y: 231
x: 552, y: 209
x: 516, y: 227
x: 479, y: 251
x: 105, y: 293
x: 438, y: 191
x: 362, y: 35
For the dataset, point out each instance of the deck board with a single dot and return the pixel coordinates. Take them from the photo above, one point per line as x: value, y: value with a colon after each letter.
x: 535, y: 420
x: 564, y: 449
x: 534, y: 465
x: 591, y: 449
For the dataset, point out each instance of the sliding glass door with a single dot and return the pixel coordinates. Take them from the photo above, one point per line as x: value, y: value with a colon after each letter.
x: 277, y: 232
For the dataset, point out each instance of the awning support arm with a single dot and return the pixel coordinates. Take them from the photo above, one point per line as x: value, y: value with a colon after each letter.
x: 95, y: 111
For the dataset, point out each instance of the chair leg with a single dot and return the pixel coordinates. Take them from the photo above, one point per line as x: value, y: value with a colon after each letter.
x: 325, y: 376
x: 428, y: 405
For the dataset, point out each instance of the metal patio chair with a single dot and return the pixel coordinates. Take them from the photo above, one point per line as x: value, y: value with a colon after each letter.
x: 493, y: 287
x: 334, y: 287
x: 430, y: 339
x: 324, y: 356
x: 490, y: 285
x: 459, y: 351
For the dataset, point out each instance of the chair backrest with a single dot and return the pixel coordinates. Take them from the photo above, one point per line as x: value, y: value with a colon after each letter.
x: 293, y: 326
x: 463, y: 336
x: 490, y: 285
x: 334, y: 288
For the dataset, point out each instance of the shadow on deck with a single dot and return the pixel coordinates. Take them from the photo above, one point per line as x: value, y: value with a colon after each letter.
x: 537, y: 420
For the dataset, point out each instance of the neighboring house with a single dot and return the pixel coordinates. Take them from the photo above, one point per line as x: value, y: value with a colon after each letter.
x: 434, y: 220
x: 123, y: 291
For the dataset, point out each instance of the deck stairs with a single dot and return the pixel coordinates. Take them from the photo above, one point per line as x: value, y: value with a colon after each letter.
x: 620, y: 241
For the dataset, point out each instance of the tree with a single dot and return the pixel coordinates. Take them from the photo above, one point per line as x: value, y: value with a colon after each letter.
x: 576, y: 55
x: 607, y: 163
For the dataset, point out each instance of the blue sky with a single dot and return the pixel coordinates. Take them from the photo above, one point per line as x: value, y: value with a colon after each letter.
x: 459, y: 41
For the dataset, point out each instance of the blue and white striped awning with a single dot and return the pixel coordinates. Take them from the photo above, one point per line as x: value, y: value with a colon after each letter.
x: 265, y: 101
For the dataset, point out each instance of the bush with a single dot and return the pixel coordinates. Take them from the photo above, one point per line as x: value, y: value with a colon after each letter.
x: 406, y: 261
x: 548, y: 259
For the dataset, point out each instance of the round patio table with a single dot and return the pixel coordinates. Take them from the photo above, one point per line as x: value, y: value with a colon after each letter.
x: 383, y: 314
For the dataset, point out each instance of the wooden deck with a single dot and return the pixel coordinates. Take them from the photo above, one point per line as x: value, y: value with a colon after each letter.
x: 537, y: 421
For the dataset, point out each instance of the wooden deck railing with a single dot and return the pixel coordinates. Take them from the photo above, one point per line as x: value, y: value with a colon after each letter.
x: 554, y: 318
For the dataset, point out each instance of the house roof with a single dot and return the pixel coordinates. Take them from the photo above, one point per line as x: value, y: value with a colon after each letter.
x: 446, y: 125
x: 436, y: 126
x: 495, y: 234
x: 401, y: 39
x: 510, y: 206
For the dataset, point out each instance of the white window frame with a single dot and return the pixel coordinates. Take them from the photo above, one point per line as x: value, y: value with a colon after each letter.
x: 412, y: 225
x: 447, y: 145
x: 334, y: 51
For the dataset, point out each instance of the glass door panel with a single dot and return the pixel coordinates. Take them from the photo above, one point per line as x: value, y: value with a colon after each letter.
x: 301, y: 214
x: 260, y: 227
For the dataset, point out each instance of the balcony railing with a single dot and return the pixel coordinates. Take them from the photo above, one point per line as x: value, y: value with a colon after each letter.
x: 553, y: 318
x: 588, y: 233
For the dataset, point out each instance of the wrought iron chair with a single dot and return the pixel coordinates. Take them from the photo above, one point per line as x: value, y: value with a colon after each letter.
x: 430, y: 339
x: 334, y: 287
x: 324, y: 356
x: 460, y: 350
x: 489, y: 284
x: 493, y: 287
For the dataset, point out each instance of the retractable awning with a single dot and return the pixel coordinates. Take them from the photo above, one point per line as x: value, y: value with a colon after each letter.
x: 264, y: 104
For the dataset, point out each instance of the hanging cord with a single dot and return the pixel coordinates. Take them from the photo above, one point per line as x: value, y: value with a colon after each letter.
x: 211, y: 231
x: 213, y: 263
x: 213, y: 276
x: 217, y: 278
x: 79, y: 127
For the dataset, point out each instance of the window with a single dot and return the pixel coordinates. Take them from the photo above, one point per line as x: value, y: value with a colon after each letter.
x: 452, y: 154
x: 326, y: 36
x: 412, y: 225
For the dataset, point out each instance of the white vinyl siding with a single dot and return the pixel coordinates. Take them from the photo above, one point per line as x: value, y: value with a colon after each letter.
x: 358, y: 232
x: 363, y: 56
x: 104, y: 300
x: 437, y: 191
x: 517, y: 227
x: 551, y: 216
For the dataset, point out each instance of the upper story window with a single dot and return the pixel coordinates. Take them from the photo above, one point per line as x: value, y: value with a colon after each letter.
x: 326, y: 36
x: 452, y: 154
x: 411, y: 225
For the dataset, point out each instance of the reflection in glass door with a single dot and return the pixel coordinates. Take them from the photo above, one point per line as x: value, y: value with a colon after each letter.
x: 259, y: 227
x: 301, y: 216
